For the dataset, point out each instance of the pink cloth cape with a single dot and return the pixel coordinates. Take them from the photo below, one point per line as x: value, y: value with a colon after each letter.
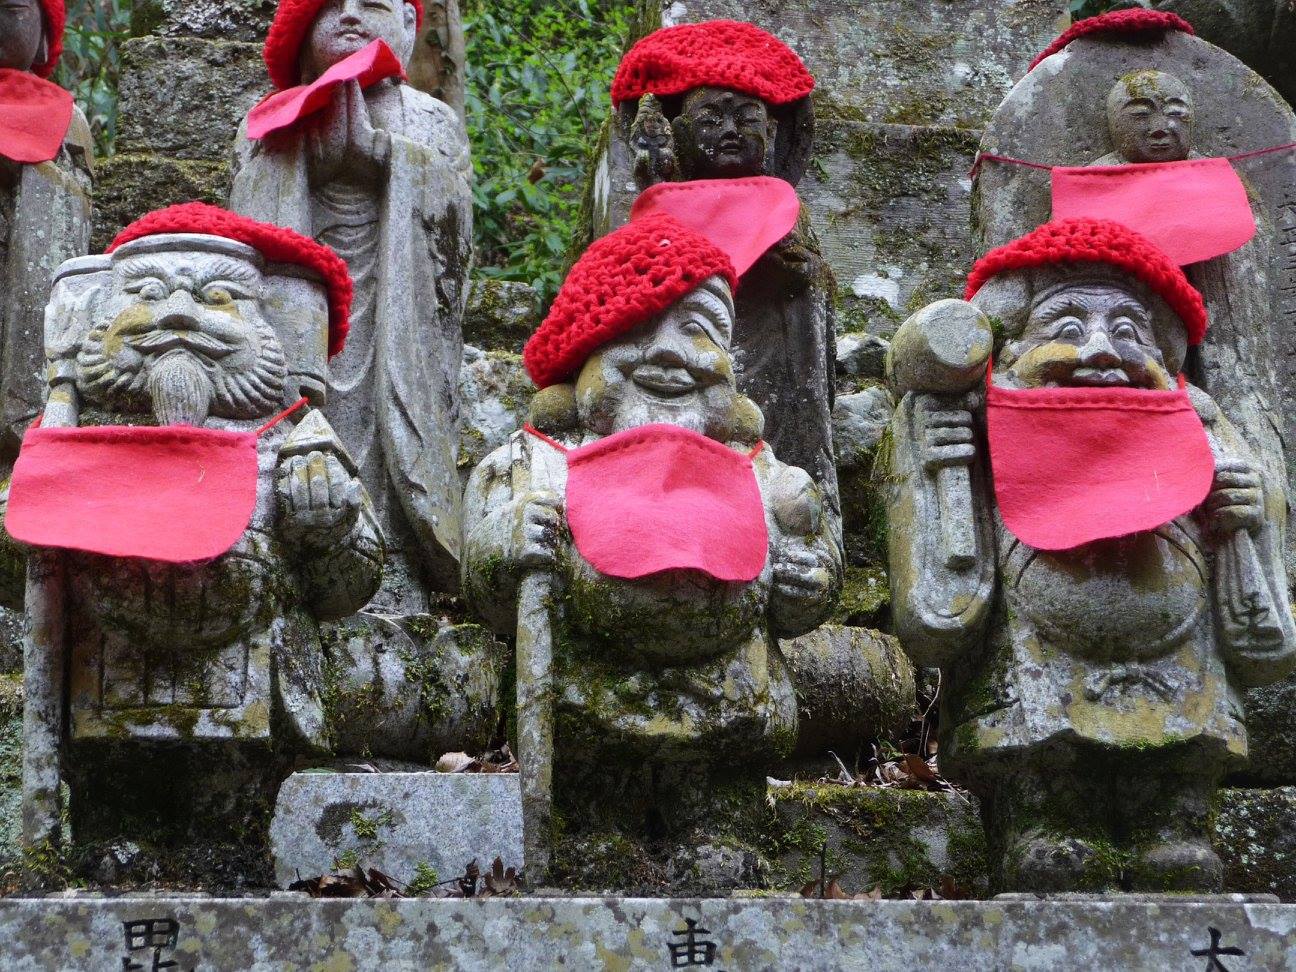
x: 1193, y: 210
x: 175, y: 494
x: 1074, y: 465
x: 283, y: 109
x: 743, y: 217
x: 35, y: 115
x: 660, y: 497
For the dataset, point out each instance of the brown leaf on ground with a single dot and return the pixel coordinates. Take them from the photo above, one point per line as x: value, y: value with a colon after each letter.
x: 351, y: 883
x: 501, y: 883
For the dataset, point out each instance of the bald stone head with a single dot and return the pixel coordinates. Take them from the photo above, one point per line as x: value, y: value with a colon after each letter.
x: 22, y: 34
x: 343, y: 27
x: 1150, y: 116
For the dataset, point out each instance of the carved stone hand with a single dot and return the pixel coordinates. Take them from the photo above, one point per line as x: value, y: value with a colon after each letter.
x: 539, y: 529
x: 319, y: 501
x: 947, y: 435
x: 804, y: 574
x: 347, y: 144
x: 1236, y: 499
x: 654, y: 144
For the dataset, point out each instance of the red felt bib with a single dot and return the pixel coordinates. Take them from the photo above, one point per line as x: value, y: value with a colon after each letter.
x: 174, y: 494
x: 1193, y: 210
x: 1074, y: 465
x: 744, y: 217
x: 283, y: 109
x: 660, y: 498
x: 34, y: 117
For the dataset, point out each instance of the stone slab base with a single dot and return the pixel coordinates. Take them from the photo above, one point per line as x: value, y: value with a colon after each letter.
x: 259, y: 935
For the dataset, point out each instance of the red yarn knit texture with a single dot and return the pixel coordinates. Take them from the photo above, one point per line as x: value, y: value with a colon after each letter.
x: 621, y: 281
x: 276, y: 243
x: 55, y: 22
x: 292, y: 22
x: 1133, y: 21
x: 717, y: 54
x: 1098, y: 241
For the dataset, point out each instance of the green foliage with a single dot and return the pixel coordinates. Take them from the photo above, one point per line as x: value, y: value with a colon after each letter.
x: 90, y: 63
x: 537, y: 96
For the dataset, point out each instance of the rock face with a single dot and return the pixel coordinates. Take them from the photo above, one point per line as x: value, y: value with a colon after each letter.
x: 1255, y: 834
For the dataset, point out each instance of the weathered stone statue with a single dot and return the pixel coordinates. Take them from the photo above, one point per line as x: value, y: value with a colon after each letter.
x: 189, y: 680
x: 1094, y: 561
x: 382, y: 177
x: 45, y: 211
x: 725, y: 100
x: 674, y: 550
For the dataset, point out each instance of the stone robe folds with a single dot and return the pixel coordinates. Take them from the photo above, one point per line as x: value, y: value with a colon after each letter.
x: 393, y: 392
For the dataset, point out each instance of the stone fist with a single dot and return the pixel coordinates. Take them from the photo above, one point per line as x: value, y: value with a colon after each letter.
x: 539, y: 529
x: 347, y: 142
x: 1236, y: 499
x: 948, y: 438
x: 319, y: 501
x: 804, y: 574
x: 653, y: 142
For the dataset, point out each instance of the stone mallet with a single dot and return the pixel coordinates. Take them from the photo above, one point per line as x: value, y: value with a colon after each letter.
x: 943, y: 350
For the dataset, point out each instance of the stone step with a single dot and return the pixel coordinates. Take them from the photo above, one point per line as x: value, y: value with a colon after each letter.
x: 264, y: 934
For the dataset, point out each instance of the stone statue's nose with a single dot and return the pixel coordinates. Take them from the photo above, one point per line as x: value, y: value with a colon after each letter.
x: 666, y: 356
x: 180, y: 312
x: 1098, y: 352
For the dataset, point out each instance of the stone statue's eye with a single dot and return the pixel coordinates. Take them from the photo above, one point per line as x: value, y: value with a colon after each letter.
x: 148, y: 290
x: 693, y: 326
x: 1068, y: 329
x: 1124, y: 330
x: 223, y: 293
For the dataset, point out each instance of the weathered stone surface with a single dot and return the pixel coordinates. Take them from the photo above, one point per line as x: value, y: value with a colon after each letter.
x: 501, y: 314
x: 267, y: 935
x: 129, y: 185
x: 861, y: 358
x: 401, y: 823
x: 223, y: 20
x: 1262, y: 33
x: 1271, y: 730
x: 11, y: 703
x: 184, y: 97
x: 495, y: 393
x: 897, y: 839
x: 1255, y: 834
x: 854, y: 686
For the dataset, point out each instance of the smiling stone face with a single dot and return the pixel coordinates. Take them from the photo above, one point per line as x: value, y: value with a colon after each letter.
x: 181, y: 333
x: 722, y: 134
x: 22, y: 33
x: 344, y: 27
x: 1150, y: 115
x: 676, y: 368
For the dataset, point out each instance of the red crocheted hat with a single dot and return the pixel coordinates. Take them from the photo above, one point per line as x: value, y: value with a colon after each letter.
x: 276, y: 243
x: 1136, y: 20
x: 55, y: 22
x: 622, y: 280
x: 1098, y: 241
x: 292, y: 22
x: 718, y: 54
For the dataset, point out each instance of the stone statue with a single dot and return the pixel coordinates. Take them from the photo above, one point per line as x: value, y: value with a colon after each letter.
x: 669, y: 691
x: 383, y: 178
x: 684, y: 115
x: 1092, y: 692
x: 206, y: 675
x: 45, y: 212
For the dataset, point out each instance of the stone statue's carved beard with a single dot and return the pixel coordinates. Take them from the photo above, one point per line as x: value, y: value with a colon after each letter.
x: 183, y: 378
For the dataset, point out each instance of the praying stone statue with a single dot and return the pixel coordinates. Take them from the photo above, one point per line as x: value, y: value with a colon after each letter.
x: 724, y: 100
x: 381, y: 175
x: 672, y: 549
x: 45, y: 208
x: 1091, y: 556
x: 169, y: 682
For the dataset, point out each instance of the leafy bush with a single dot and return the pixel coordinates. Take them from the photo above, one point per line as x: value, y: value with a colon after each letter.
x: 537, y: 95
x: 90, y: 62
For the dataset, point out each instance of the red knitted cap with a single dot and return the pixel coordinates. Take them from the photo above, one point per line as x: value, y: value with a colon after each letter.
x: 292, y: 22
x: 276, y: 243
x: 622, y: 280
x: 55, y: 22
x: 717, y: 54
x: 1136, y: 20
x: 1098, y: 241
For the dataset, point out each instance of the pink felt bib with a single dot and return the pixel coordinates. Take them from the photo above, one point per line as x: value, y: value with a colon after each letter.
x: 744, y: 217
x: 283, y: 109
x: 34, y: 117
x: 660, y: 498
x: 1074, y: 465
x: 1193, y: 210
x: 174, y: 494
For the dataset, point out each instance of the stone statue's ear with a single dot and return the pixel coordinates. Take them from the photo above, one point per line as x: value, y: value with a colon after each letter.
x: 553, y: 410
x: 1006, y: 300
x: 748, y: 422
x: 411, y: 33
x: 42, y: 52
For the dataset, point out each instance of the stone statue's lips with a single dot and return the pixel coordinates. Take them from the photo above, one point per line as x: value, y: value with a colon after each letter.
x: 174, y: 494
x: 1075, y: 465
x: 1192, y: 210
x: 283, y: 109
x: 34, y: 117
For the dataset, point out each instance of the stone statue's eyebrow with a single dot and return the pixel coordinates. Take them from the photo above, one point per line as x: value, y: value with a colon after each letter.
x: 225, y: 269
x: 714, y: 311
x: 145, y: 267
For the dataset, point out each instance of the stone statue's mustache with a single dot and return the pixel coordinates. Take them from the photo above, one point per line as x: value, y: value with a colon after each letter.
x: 162, y: 340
